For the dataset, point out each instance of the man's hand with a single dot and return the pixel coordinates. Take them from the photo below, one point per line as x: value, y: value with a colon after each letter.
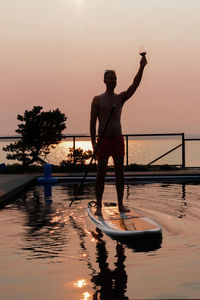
x: 143, y: 61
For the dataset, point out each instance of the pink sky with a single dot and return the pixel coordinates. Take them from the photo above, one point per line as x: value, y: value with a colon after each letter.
x: 54, y: 53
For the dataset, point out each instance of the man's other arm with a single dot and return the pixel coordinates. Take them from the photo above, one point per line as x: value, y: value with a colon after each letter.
x: 93, y: 120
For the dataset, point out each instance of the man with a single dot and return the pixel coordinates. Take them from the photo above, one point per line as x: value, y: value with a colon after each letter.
x: 112, y: 143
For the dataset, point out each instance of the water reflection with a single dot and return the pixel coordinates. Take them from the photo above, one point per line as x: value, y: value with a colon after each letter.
x: 82, y: 234
x: 73, y: 192
x: 80, y: 283
x: 48, y: 194
x: 173, y: 196
x: 183, y: 202
x: 181, y: 209
x: 45, y: 227
x: 47, y: 232
x: 143, y: 243
x: 110, y: 284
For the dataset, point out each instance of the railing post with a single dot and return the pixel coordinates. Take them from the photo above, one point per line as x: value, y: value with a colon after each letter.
x: 74, y: 147
x: 183, y: 150
x: 127, y: 150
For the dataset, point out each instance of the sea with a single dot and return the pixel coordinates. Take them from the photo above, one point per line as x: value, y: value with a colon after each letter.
x: 140, y: 150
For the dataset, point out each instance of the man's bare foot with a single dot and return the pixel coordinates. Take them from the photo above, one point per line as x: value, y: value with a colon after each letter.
x: 98, y: 212
x: 124, y: 209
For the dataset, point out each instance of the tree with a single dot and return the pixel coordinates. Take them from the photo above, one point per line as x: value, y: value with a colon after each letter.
x: 39, y: 131
x: 78, y: 156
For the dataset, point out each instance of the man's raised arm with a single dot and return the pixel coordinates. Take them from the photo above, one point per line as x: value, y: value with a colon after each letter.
x: 136, y: 82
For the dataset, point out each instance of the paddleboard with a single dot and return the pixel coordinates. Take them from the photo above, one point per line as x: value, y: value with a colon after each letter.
x: 122, y: 225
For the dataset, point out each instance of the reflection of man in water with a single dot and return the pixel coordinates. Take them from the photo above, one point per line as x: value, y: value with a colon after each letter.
x: 112, y: 143
x: 112, y: 283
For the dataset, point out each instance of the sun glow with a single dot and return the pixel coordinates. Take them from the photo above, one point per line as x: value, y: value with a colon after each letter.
x: 85, y: 145
x: 86, y: 295
x: 80, y: 283
x: 78, y: 2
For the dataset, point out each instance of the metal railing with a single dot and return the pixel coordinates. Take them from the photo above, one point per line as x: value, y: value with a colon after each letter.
x: 159, y: 135
x: 126, y: 137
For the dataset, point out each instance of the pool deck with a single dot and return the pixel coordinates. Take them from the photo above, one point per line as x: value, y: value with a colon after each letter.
x: 12, y: 185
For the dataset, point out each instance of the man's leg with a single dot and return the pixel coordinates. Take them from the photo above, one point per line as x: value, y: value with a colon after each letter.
x: 119, y: 173
x: 99, y: 185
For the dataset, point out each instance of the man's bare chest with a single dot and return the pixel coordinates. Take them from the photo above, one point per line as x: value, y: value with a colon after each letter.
x: 106, y: 102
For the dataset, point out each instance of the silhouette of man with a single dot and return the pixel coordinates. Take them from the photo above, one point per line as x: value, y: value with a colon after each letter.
x: 112, y: 144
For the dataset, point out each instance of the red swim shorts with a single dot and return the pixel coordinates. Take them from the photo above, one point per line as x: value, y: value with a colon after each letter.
x: 111, y: 146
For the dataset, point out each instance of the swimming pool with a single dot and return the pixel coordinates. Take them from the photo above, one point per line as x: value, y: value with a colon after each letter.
x: 51, y: 251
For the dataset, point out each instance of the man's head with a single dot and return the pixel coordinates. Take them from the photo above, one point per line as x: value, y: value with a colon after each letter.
x: 110, y: 78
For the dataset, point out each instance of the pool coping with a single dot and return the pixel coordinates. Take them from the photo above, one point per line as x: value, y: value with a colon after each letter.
x: 11, y: 185
x: 178, y: 175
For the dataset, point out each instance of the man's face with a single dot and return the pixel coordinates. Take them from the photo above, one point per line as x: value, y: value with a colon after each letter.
x: 111, y: 80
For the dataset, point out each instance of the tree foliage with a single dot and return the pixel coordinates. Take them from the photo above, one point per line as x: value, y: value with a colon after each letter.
x: 39, y: 131
x: 77, y: 157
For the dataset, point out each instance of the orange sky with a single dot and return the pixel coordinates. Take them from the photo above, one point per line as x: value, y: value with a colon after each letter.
x: 54, y: 53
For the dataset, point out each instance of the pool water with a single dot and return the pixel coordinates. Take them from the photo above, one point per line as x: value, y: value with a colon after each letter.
x: 51, y: 251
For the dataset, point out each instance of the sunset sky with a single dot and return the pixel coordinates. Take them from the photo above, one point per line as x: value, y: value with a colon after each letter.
x: 54, y: 52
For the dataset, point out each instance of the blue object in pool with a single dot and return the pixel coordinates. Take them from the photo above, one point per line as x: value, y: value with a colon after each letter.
x: 2, y: 166
x: 48, y: 193
x: 47, y: 179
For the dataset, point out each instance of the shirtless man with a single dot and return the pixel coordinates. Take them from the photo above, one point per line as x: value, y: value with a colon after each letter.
x: 112, y: 143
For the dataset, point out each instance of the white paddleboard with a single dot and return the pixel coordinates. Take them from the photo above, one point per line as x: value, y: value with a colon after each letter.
x: 122, y: 225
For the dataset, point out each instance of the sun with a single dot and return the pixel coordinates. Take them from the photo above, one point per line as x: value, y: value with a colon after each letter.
x: 78, y: 2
